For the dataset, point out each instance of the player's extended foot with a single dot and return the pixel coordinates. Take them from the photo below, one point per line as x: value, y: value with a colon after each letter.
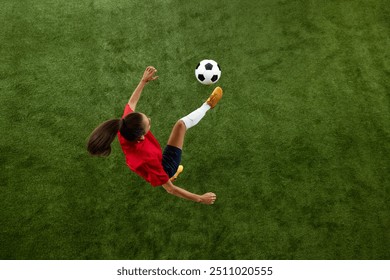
x: 179, y: 170
x: 215, y: 96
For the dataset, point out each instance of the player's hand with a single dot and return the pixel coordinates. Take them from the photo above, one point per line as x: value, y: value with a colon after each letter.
x: 208, y: 198
x: 149, y: 73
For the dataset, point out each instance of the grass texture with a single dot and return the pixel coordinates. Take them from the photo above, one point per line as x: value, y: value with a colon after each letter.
x: 297, y: 151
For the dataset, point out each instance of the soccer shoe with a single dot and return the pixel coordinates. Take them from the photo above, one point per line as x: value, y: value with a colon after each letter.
x: 179, y: 170
x: 214, y: 97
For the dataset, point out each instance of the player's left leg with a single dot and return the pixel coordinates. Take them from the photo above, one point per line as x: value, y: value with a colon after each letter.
x: 178, y: 171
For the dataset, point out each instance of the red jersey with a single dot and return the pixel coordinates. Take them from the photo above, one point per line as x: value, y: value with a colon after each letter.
x: 145, y: 157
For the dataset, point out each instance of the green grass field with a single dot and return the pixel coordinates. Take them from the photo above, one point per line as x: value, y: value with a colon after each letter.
x: 298, y: 150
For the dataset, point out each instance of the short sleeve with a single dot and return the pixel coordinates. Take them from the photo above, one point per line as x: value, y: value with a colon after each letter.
x: 127, y: 110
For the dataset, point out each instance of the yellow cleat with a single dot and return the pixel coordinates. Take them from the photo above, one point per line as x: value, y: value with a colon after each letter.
x: 215, y: 97
x: 179, y: 170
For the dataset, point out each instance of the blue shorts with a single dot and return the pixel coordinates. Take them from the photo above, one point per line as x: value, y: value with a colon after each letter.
x: 171, y: 159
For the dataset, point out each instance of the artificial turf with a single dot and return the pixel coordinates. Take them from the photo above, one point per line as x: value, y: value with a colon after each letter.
x: 297, y: 151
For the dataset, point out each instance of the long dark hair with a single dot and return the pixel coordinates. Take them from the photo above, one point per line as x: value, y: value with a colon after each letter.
x: 130, y: 127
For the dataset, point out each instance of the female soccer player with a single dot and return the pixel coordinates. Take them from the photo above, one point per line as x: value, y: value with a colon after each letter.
x: 142, y: 151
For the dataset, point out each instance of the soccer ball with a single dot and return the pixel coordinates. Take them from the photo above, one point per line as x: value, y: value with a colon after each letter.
x: 208, y: 72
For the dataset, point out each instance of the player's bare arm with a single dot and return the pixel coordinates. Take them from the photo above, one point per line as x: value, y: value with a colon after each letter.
x: 207, y: 198
x: 149, y: 75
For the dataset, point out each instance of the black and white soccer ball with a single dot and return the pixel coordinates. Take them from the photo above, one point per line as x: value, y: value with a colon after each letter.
x: 208, y: 72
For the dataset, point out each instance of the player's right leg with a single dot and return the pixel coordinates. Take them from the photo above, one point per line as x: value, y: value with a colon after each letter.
x: 176, y: 138
x: 173, y: 150
x: 214, y: 98
x: 193, y: 118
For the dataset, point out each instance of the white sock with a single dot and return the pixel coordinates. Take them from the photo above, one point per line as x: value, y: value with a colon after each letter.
x: 193, y: 118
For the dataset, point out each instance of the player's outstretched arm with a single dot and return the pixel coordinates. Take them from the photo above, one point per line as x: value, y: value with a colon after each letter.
x: 207, y: 198
x: 146, y: 77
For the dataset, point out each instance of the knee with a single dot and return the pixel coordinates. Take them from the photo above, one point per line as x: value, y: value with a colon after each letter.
x: 181, y: 125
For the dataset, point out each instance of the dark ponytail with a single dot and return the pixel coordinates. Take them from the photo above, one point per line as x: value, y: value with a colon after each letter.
x: 130, y: 127
x: 99, y: 143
